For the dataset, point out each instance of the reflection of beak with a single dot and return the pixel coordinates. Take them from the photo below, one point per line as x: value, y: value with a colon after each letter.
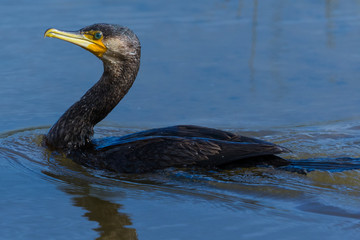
x: 84, y: 40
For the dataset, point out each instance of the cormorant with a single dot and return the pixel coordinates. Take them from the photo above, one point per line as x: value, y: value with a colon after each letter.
x: 119, y: 49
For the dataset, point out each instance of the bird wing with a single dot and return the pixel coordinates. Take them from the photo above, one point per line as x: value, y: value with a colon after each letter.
x: 194, y: 131
x: 155, y: 152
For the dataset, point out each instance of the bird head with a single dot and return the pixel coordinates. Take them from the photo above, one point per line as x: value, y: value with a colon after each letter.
x: 109, y: 42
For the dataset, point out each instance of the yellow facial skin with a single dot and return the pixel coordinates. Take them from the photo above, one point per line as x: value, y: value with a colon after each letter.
x: 86, y: 40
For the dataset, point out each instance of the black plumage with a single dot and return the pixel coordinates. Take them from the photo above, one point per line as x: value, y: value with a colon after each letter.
x: 119, y: 49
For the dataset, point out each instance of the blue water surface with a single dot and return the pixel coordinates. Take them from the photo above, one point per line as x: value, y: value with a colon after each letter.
x: 280, y: 70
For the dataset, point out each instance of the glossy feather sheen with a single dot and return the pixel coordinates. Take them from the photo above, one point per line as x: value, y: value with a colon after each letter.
x: 149, y: 150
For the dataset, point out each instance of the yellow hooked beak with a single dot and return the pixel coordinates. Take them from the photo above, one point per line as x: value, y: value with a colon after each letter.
x: 91, y: 41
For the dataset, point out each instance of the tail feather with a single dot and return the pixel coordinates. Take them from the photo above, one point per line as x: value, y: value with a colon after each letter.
x: 322, y: 164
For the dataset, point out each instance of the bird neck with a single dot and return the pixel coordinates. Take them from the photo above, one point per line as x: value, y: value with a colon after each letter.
x: 75, y: 127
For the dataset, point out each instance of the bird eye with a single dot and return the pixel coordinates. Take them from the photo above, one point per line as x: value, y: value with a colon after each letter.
x: 98, y: 35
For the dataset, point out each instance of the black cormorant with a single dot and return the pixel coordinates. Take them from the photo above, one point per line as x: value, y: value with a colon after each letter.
x: 119, y: 49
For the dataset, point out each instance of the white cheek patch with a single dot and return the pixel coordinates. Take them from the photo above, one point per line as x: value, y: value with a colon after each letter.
x: 114, y: 43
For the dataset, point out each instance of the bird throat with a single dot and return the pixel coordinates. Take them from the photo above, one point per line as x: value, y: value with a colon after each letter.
x: 75, y: 127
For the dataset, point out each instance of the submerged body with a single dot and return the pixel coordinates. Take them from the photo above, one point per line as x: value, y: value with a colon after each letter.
x: 119, y: 49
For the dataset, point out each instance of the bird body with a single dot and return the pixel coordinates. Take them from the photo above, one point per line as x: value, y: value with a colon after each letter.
x: 177, y: 146
x: 119, y: 49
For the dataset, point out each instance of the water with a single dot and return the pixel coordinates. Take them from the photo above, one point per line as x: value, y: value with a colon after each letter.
x: 282, y: 71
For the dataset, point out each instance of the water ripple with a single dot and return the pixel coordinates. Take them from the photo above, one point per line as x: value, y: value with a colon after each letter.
x: 320, y: 192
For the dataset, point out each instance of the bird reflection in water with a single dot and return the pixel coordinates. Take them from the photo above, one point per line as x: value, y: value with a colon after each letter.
x: 112, y: 223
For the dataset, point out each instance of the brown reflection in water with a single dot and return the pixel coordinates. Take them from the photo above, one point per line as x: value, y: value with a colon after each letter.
x: 112, y: 223
x: 253, y: 45
x: 239, y: 10
x: 329, y: 8
x: 277, y: 50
